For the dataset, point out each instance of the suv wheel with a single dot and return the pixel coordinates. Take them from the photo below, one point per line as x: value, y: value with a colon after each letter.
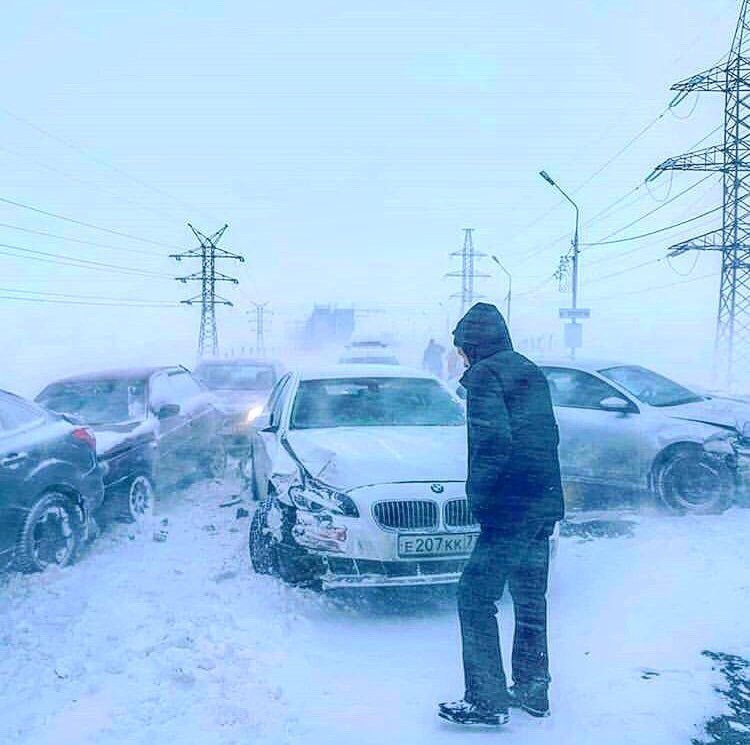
x: 140, y: 500
x: 51, y: 533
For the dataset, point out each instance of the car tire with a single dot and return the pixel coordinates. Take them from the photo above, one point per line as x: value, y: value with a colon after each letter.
x: 261, y: 545
x: 140, y: 498
x: 216, y: 463
x: 52, y: 533
x: 688, y: 481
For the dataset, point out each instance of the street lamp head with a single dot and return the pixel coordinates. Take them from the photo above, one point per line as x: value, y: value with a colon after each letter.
x: 495, y: 259
x: 547, y: 178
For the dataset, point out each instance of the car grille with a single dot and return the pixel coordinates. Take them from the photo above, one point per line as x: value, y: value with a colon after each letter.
x: 406, y: 514
x: 457, y: 514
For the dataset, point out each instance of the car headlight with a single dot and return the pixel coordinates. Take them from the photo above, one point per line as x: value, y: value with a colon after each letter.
x: 314, y: 496
x: 253, y: 414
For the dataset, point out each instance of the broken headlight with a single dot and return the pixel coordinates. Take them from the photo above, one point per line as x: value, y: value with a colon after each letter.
x: 311, y: 495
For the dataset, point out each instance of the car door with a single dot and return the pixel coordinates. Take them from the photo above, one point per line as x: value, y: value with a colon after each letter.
x: 22, y: 449
x: 265, y: 438
x: 597, y: 445
x: 172, y: 427
x: 196, y: 405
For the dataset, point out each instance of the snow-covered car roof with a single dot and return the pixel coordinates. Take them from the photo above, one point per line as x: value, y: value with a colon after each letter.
x: 118, y: 374
x: 355, y: 370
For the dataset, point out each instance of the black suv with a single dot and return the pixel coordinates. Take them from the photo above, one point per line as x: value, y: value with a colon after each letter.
x: 154, y: 426
x: 50, y: 484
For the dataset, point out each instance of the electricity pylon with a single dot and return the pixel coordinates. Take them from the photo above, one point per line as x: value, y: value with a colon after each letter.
x: 468, y: 273
x: 732, y: 240
x: 260, y: 327
x: 208, y: 253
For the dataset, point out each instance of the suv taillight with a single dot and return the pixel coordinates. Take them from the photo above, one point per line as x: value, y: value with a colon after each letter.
x: 83, y: 434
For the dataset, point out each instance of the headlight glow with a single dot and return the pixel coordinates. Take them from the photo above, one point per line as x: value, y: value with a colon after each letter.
x: 253, y: 414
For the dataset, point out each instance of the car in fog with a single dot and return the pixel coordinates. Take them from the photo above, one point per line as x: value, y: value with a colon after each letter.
x: 627, y: 427
x: 50, y: 484
x: 368, y: 352
x: 242, y: 387
x: 154, y: 426
x: 360, y: 472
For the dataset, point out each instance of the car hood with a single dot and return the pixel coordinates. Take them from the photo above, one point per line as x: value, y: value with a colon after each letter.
x: 236, y: 402
x: 725, y: 413
x: 349, y: 457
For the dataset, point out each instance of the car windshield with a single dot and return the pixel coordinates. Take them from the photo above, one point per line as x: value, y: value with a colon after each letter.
x: 374, y: 402
x: 97, y: 401
x: 650, y: 387
x: 369, y: 360
x: 237, y: 376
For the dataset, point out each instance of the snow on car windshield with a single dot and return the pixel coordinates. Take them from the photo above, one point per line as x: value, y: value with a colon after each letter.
x: 237, y: 377
x: 97, y: 401
x: 649, y: 387
x: 374, y: 402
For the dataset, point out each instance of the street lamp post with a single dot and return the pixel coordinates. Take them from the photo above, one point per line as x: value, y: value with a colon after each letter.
x: 510, y: 287
x: 573, y: 330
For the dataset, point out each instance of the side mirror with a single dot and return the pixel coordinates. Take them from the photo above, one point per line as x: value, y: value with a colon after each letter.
x: 461, y: 392
x: 615, y: 403
x: 167, y: 410
x: 262, y: 423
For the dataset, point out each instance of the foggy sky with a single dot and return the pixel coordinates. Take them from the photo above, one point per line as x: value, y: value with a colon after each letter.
x: 347, y: 144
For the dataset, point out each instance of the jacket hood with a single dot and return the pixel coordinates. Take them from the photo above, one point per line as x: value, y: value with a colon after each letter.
x: 482, y: 332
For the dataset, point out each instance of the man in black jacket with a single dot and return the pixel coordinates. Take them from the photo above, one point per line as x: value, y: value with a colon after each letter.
x: 515, y: 494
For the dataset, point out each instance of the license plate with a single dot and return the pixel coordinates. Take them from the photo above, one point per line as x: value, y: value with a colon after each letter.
x: 444, y: 544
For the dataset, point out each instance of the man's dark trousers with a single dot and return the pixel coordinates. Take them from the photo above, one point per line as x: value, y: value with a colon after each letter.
x: 518, y: 557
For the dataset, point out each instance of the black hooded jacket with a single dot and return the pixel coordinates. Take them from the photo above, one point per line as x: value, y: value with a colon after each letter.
x: 514, y: 471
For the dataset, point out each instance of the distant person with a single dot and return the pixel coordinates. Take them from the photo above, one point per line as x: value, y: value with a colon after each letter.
x: 432, y: 359
x: 515, y: 494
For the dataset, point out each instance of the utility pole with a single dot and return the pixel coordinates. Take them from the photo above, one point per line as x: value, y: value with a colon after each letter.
x: 732, y: 240
x: 510, y: 286
x: 573, y: 329
x: 260, y: 327
x: 208, y: 253
x: 468, y: 273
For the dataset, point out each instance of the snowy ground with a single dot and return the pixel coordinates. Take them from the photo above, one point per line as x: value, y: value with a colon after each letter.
x: 178, y: 642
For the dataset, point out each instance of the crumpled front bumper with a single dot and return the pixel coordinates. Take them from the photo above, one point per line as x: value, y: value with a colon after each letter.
x: 360, y: 552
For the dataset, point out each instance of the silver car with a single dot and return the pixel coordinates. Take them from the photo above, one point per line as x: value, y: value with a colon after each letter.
x: 627, y: 427
x: 359, y: 472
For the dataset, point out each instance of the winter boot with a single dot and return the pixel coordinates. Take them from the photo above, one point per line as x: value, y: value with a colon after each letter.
x: 462, y: 712
x: 531, y: 697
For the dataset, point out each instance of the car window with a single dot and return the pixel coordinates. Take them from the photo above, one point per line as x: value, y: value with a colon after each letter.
x: 183, y: 386
x: 17, y: 414
x: 650, y: 387
x: 99, y: 401
x: 237, y: 376
x: 577, y: 389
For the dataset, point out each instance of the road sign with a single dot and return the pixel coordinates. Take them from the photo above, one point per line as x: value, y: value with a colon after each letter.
x: 575, y: 313
x: 573, y: 335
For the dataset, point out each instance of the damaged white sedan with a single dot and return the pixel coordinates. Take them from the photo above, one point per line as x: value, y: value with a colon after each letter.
x: 359, y: 472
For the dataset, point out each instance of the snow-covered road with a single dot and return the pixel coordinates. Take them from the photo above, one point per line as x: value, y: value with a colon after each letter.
x: 178, y: 642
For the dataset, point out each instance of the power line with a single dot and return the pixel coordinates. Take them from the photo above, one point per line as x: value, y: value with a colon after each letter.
x: 79, y: 263
x: 87, y: 297
x: 83, y: 242
x: 655, y: 232
x: 658, y: 287
x: 85, y: 302
x: 96, y: 159
x: 119, y: 233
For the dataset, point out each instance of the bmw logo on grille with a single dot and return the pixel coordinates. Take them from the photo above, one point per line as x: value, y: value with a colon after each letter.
x: 437, y: 488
